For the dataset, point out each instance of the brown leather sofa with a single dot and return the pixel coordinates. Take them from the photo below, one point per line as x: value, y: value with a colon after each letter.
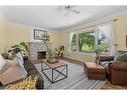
x: 32, y: 71
x: 117, y: 71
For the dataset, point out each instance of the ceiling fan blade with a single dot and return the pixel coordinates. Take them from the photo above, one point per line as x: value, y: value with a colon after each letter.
x: 75, y: 11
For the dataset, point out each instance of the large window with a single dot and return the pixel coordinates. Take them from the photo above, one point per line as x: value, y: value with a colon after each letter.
x: 100, y: 39
x: 86, y: 42
x: 103, y: 43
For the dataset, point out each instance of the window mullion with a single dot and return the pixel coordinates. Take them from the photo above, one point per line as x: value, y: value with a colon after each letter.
x: 96, y: 39
x: 77, y: 45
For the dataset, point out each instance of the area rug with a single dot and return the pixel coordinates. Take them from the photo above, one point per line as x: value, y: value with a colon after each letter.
x: 76, y: 79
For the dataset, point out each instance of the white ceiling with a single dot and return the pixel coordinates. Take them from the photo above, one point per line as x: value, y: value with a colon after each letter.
x: 48, y: 17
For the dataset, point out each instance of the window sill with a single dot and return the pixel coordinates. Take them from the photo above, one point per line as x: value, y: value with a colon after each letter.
x: 89, y: 54
x: 81, y: 53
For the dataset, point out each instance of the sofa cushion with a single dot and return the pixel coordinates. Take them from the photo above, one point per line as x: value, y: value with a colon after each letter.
x: 29, y: 66
x: 121, y: 57
x: 14, y: 61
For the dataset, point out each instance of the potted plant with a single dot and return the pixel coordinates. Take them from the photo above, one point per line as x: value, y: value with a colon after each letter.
x: 21, y: 47
x: 49, y: 57
x: 59, y: 51
x: 97, y: 52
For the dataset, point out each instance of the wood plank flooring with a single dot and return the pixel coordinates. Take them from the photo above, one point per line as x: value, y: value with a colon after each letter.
x: 106, y: 86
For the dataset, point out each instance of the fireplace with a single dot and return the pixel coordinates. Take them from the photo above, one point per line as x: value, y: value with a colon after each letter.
x: 35, y: 48
x: 41, y: 54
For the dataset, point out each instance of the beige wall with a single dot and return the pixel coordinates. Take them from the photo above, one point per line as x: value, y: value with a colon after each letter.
x: 2, y: 34
x: 54, y: 39
x: 11, y: 34
x: 19, y: 33
x: 16, y: 34
x: 120, y: 31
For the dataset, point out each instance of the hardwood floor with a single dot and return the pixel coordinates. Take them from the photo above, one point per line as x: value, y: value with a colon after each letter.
x: 106, y: 86
x: 73, y: 61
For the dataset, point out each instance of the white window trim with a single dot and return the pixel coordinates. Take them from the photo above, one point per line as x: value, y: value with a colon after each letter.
x: 77, y: 46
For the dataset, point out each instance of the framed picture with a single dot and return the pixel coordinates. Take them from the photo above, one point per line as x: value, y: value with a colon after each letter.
x: 40, y: 34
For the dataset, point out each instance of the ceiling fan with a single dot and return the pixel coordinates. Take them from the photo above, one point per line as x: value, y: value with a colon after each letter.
x: 67, y: 9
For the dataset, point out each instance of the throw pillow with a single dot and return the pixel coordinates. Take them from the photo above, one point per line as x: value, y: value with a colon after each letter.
x: 20, y: 56
x: 121, y: 57
x: 8, y: 64
x: 5, y: 67
x: 13, y: 62
x: 2, y: 62
x: 20, y: 59
x: 7, y: 56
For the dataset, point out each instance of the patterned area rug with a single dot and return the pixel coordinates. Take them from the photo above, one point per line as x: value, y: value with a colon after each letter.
x: 76, y: 79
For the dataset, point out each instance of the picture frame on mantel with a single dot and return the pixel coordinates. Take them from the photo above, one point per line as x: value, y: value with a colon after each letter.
x: 40, y: 34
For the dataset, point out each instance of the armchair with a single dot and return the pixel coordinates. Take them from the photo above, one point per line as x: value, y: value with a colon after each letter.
x: 118, y: 73
x: 116, y: 70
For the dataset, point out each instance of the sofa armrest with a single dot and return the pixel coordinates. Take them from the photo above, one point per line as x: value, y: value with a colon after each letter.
x: 32, y: 71
x: 119, y: 66
x: 106, y: 58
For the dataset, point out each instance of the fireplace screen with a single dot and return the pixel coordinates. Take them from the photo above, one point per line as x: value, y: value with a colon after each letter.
x: 41, y: 54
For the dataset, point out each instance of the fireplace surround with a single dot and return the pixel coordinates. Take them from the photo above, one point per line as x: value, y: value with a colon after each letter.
x: 38, y: 50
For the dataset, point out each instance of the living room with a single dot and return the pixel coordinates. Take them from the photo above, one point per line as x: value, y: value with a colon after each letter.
x: 73, y: 40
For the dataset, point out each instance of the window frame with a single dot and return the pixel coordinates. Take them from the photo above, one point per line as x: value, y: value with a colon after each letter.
x: 106, y: 38
x: 77, y: 43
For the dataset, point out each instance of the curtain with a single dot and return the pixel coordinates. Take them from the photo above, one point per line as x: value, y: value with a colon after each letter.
x: 108, y: 31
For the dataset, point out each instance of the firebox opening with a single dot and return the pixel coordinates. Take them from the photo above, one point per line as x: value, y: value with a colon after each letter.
x: 41, y: 54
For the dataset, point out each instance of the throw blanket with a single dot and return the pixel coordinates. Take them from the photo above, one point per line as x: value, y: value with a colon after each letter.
x: 105, y: 64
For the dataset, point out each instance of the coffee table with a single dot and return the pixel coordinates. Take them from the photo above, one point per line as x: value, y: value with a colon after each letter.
x: 54, y: 67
